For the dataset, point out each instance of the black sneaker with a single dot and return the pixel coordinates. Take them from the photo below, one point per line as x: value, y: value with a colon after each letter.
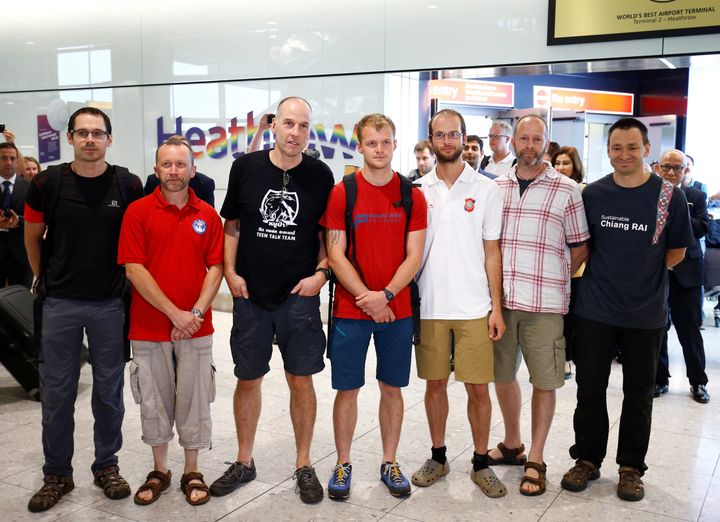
x: 234, y: 477
x: 308, y: 484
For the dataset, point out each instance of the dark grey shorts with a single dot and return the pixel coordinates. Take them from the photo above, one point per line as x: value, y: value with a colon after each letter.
x: 299, y: 332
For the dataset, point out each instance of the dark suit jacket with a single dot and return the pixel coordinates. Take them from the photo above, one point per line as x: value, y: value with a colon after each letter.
x: 202, y: 185
x: 12, y: 243
x: 689, y: 272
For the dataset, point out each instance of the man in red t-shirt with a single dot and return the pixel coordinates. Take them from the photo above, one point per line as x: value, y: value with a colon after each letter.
x: 171, y: 244
x: 372, y: 298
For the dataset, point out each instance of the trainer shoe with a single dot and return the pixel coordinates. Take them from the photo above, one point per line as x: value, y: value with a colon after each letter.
x: 308, y: 485
x: 393, y: 478
x: 235, y: 476
x: 339, y: 484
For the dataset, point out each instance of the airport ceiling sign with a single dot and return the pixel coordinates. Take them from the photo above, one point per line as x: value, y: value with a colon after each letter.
x: 473, y: 92
x: 583, y: 21
x: 606, y: 102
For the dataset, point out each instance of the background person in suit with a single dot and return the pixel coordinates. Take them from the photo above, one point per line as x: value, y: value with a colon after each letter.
x: 685, y: 288
x: 14, y: 265
x: 202, y: 185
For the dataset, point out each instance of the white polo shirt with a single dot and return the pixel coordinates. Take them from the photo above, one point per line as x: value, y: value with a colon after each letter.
x: 452, y: 279
x: 502, y: 167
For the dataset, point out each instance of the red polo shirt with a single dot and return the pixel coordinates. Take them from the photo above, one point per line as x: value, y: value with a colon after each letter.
x: 177, y: 246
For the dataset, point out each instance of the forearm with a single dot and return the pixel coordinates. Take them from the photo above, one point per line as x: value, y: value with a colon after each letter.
x: 33, y: 245
x: 230, y: 245
x: 322, y: 260
x: 493, y: 269
x: 578, y: 256
x: 210, y: 287
x: 404, y: 274
x: 347, y: 275
x: 143, y: 281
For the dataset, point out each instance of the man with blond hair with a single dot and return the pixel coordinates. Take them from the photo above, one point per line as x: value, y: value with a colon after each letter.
x: 374, y: 263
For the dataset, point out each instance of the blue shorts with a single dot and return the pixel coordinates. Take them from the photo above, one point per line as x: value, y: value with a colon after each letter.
x: 348, y: 351
x: 299, y: 332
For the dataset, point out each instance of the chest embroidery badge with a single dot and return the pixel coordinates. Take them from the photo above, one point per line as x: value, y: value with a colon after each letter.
x: 199, y: 226
x: 469, y: 205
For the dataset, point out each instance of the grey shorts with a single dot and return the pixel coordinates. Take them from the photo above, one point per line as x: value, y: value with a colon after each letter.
x: 539, y: 338
x: 174, y: 383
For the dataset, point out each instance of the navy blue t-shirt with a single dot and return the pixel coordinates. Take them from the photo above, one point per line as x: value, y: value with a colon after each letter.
x: 279, y: 222
x: 625, y: 282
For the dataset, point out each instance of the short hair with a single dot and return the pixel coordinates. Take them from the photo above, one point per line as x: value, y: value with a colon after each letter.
x: 32, y: 160
x: 534, y: 117
x: 474, y: 137
x: 376, y: 121
x: 627, y: 124
x: 504, y: 125
x: 451, y: 112
x: 571, y: 152
x: 552, y: 147
x: 178, y: 140
x: 422, y: 145
x: 93, y: 111
x: 692, y: 160
x: 8, y: 145
x: 289, y: 98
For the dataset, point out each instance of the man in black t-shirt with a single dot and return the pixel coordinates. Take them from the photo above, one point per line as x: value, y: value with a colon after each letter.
x: 73, y: 214
x: 639, y: 227
x: 275, y: 266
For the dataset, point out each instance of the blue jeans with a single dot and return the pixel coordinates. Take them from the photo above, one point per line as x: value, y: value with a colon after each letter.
x: 64, y: 321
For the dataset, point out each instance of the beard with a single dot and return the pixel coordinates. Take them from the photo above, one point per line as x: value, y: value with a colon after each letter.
x: 448, y: 157
x: 526, y: 161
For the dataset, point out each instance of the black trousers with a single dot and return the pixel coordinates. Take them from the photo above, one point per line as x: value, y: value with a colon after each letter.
x: 686, y: 315
x: 594, y: 351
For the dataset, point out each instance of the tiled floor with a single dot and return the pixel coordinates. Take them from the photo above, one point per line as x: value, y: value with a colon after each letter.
x: 683, y: 482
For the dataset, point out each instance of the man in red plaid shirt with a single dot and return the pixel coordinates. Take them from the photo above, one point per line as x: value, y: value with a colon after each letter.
x: 543, y: 242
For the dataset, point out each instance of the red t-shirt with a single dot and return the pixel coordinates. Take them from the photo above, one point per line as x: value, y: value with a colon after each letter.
x: 379, y: 239
x: 177, y: 246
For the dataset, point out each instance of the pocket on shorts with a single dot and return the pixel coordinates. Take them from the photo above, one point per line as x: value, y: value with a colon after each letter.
x: 135, y: 382
x: 213, y: 370
x: 559, y: 352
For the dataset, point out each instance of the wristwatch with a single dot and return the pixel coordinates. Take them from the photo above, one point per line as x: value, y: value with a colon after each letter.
x: 326, y: 272
x: 196, y: 312
x: 388, y: 294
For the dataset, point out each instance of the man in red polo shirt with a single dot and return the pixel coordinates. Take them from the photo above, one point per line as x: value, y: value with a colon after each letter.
x: 171, y: 244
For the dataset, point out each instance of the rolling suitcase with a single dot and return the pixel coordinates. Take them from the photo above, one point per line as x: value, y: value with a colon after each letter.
x: 18, y: 352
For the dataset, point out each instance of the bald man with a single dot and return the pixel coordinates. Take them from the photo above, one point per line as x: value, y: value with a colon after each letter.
x: 685, y: 280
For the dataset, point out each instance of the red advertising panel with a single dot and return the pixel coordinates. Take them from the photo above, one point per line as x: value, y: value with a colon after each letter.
x: 583, y: 100
x: 474, y: 92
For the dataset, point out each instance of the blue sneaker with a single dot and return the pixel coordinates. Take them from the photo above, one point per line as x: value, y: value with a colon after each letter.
x: 393, y: 478
x: 339, y: 484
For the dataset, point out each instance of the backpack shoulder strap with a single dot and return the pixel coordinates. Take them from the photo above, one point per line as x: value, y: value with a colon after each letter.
x: 666, y: 192
x: 406, y: 200
x: 351, y: 193
x: 484, y: 162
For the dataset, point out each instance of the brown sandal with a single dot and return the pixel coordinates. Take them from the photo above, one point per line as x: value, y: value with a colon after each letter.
x: 188, y: 488
x: 510, y: 456
x: 53, y: 489
x: 539, y: 482
x: 113, y: 485
x: 631, y: 485
x: 152, y: 485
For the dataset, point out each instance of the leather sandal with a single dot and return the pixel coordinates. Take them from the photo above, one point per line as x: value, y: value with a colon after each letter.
x: 631, y: 485
x: 154, y: 486
x: 510, y: 456
x: 113, y: 485
x: 577, y: 477
x: 53, y: 489
x: 539, y: 481
x: 187, y: 487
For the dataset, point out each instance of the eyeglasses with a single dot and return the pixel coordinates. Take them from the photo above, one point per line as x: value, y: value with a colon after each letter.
x: 453, y: 135
x: 677, y: 168
x: 84, y: 133
x: 497, y: 136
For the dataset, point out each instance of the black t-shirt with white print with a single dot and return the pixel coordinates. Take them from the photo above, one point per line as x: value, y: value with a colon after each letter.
x: 279, y: 227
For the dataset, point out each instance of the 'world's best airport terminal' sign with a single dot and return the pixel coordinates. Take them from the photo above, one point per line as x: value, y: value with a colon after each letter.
x: 582, y: 21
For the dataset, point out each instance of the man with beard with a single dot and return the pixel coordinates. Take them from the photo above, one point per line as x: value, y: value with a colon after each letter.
x: 543, y: 242
x: 425, y: 159
x: 460, y: 298
x: 640, y: 228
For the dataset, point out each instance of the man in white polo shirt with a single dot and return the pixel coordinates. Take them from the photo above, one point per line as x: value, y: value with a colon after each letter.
x: 460, y: 281
x: 502, y: 160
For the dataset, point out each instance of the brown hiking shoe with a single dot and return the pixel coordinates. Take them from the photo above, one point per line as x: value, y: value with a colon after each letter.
x: 113, y: 485
x: 631, y: 485
x: 50, y: 493
x: 577, y: 477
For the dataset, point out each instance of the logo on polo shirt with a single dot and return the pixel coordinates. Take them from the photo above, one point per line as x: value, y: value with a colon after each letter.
x: 469, y: 205
x: 199, y: 226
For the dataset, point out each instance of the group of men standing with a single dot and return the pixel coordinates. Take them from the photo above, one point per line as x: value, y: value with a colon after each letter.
x: 491, y: 260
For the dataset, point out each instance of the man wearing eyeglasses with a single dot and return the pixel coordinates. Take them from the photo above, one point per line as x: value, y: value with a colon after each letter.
x: 502, y: 160
x: 73, y: 214
x: 685, y: 280
x: 543, y: 241
x: 275, y: 266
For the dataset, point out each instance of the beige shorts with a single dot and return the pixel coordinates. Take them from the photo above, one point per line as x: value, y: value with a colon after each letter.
x: 538, y: 338
x: 473, y: 350
x: 174, y: 383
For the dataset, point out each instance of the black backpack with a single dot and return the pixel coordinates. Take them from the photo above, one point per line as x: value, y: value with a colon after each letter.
x: 351, y: 191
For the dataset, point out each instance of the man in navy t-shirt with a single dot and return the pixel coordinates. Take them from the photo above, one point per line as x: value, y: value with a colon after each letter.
x: 639, y: 227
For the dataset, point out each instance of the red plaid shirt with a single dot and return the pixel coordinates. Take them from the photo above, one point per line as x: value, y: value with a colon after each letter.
x: 536, y: 232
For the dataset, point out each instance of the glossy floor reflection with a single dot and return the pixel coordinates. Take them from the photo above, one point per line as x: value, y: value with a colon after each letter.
x: 683, y: 482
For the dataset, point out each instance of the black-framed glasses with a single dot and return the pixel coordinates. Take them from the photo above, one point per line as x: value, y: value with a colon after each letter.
x: 84, y: 133
x: 667, y: 168
x: 453, y: 135
x: 497, y: 136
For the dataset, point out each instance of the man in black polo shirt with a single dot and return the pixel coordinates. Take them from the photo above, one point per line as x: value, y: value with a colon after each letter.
x: 275, y: 266
x: 80, y: 205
